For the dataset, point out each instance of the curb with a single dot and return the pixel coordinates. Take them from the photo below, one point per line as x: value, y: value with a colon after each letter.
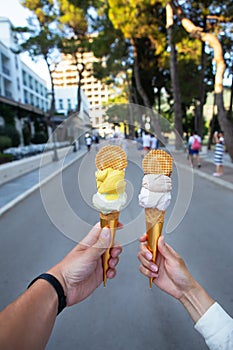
x: 208, y: 177
x: 22, y: 196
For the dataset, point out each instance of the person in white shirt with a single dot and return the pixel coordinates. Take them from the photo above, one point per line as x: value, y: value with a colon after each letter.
x: 146, y: 141
x: 171, y: 275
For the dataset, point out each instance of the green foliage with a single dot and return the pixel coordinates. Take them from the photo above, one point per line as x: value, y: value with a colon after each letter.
x: 5, y: 142
x: 5, y: 158
x: 8, y: 114
x: 11, y: 132
x: 26, y: 134
x: 39, y: 137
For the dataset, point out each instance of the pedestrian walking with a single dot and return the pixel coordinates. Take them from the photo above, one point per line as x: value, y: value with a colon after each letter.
x: 194, y: 143
x: 88, y: 142
x: 146, y: 141
x: 219, y: 152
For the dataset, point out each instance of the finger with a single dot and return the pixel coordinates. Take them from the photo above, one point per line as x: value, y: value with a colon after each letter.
x: 92, y: 237
x: 111, y: 273
x: 101, y: 245
x: 150, y: 265
x: 143, y: 238
x: 120, y: 225
x: 115, y: 251
x: 113, y: 262
x: 145, y: 252
x: 147, y: 272
x: 166, y: 250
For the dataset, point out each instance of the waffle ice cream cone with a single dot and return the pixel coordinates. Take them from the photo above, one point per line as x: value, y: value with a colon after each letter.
x: 111, y: 162
x: 110, y: 220
x: 156, y: 162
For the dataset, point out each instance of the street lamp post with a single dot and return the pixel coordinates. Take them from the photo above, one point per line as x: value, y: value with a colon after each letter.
x: 53, y: 126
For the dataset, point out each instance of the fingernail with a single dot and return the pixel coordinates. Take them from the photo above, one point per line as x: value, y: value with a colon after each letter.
x: 110, y: 274
x: 148, y: 256
x: 162, y: 240
x: 154, y: 268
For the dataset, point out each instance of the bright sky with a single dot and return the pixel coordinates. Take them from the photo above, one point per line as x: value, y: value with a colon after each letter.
x: 17, y: 14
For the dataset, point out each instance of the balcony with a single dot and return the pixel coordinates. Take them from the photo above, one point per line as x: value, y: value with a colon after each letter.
x: 6, y: 71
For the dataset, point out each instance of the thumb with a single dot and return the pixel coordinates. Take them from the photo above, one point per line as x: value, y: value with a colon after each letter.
x: 166, y: 250
x: 102, y: 243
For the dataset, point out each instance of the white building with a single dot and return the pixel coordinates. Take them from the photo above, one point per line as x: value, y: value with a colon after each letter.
x: 20, y: 87
x: 65, y: 79
x: 18, y: 82
x: 66, y: 100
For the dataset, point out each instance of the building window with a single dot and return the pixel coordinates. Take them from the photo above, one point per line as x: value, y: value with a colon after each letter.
x: 68, y: 104
x: 18, y: 84
x: 16, y: 62
x: 60, y: 103
x: 24, y: 78
x: 32, y: 99
x: 25, y: 96
x: 30, y: 82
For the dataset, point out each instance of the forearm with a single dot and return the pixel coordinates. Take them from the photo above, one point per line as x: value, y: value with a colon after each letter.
x: 27, y: 323
x: 196, y: 301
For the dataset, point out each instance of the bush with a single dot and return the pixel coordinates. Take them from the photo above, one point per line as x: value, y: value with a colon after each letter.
x: 5, y: 142
x: 5, y: 158
x: 39, y: 137
x: 12, y: 133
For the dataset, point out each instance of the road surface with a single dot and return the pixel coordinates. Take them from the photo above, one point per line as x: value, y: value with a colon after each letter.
x: 126, y: 314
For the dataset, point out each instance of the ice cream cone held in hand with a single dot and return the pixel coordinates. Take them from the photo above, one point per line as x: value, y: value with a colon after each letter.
x: 111, y: 162
x: 155, y: 195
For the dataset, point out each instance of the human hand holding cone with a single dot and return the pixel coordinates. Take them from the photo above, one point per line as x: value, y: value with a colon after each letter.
x: 155, y: 195
x: 111, y: 162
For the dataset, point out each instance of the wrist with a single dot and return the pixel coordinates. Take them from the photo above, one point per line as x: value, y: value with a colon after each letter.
x: 56, y: 272
x: 196, y: 301
x: 54, y: 282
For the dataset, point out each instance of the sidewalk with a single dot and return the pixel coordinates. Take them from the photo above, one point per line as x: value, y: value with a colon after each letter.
x: 16, y: 190
x: 208, y: 168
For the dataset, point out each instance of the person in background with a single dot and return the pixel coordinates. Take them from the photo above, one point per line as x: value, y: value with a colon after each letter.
x: 219, y: 152
x: 146, y: 141
x: 171, y: 275
x: 194, y: 143
x: 28, y: 322
x: 88, y: 140
x: 154, y: 142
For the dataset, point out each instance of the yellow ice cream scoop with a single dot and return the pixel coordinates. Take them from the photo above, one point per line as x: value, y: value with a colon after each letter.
x: 110, y: 183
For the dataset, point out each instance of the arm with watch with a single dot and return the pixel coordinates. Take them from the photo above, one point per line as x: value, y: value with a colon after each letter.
x: 29, y: 320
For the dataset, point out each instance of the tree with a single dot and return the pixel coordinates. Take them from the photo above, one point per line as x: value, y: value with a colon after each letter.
x: 75, y: 41
x: 174, y: 76
x: 214, y: 43
x: 41, y: 38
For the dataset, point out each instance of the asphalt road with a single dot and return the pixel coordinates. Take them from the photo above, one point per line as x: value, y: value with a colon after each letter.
x: 126, y: 314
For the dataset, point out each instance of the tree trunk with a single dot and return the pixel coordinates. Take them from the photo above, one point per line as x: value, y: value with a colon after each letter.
x: 50, y: 122
x: 139, y: 86
x: 199, y: 122
x: 225, y: 123
x: 154, y: 118
x: 231, y: 100
x: 174, y: 78
x: 80, y: 76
